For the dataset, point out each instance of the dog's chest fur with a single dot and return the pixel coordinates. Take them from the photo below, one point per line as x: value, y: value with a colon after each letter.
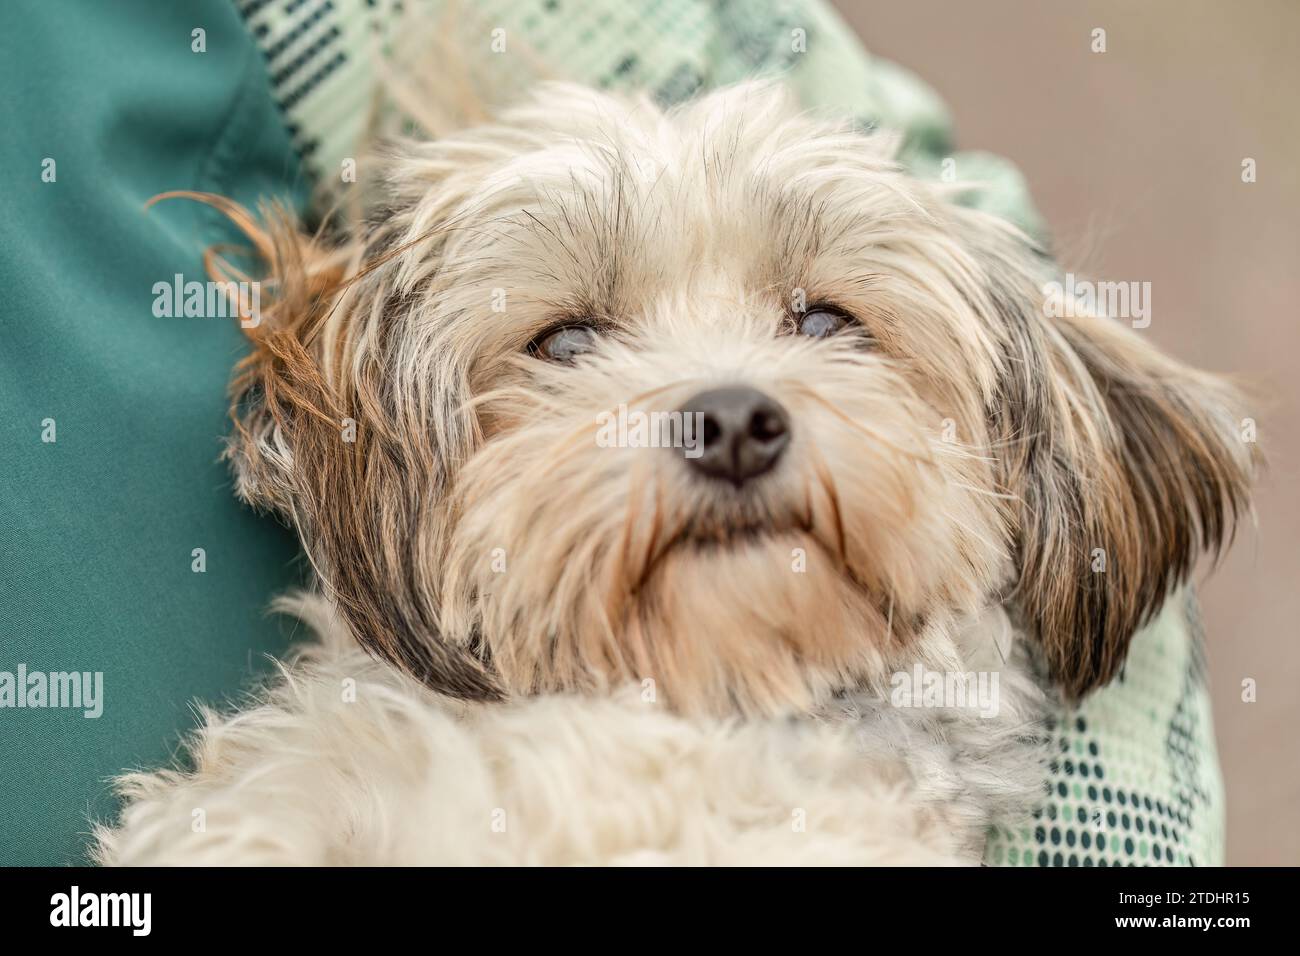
x: 346, y: 761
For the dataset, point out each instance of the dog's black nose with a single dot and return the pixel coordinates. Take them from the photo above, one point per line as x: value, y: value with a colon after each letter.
x: 741, y: 433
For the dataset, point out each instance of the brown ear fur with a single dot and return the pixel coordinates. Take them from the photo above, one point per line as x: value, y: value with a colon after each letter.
x: 349, y: 499
x: 1159, y: 476
x: 1112, y: 450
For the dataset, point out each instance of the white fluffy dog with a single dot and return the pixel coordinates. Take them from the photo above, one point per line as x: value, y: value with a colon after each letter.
x: 887, y: 462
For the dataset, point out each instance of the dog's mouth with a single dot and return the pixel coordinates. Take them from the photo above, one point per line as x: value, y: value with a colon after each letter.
x: 748, y: 529
x: 765, y: 529
x: 708, y: 532
x: 703, y: 533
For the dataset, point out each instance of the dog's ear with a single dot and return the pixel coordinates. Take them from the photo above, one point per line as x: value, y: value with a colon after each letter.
x: 1124, y: 464
x: 278, y: 390
x: 315, y: 441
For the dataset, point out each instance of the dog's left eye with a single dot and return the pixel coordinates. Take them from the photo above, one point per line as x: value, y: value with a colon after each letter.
x: 564, y: 344
x: 821, y: 323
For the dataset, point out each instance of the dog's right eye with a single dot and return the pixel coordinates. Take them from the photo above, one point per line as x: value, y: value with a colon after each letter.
x: 564, y: 344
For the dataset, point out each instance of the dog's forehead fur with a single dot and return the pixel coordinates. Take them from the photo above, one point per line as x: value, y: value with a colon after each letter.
x: 970, y: 449
x: 584, y: 205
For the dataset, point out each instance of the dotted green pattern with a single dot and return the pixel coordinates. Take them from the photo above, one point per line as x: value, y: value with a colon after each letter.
x: 1134, y: 774
x: 1134, y: 778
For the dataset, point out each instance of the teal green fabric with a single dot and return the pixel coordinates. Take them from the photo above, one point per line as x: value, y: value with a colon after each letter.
x: 98, y: 527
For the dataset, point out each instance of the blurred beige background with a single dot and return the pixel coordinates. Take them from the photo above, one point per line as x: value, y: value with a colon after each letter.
x: 1134, y: 158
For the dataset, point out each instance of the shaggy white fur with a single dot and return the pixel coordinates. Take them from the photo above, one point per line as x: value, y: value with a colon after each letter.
x: 347, y: 761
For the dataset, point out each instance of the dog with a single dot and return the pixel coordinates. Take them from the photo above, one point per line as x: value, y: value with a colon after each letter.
x: 543, y: 640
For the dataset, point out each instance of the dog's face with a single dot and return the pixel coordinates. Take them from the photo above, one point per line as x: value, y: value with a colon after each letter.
x: 873, y: 427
